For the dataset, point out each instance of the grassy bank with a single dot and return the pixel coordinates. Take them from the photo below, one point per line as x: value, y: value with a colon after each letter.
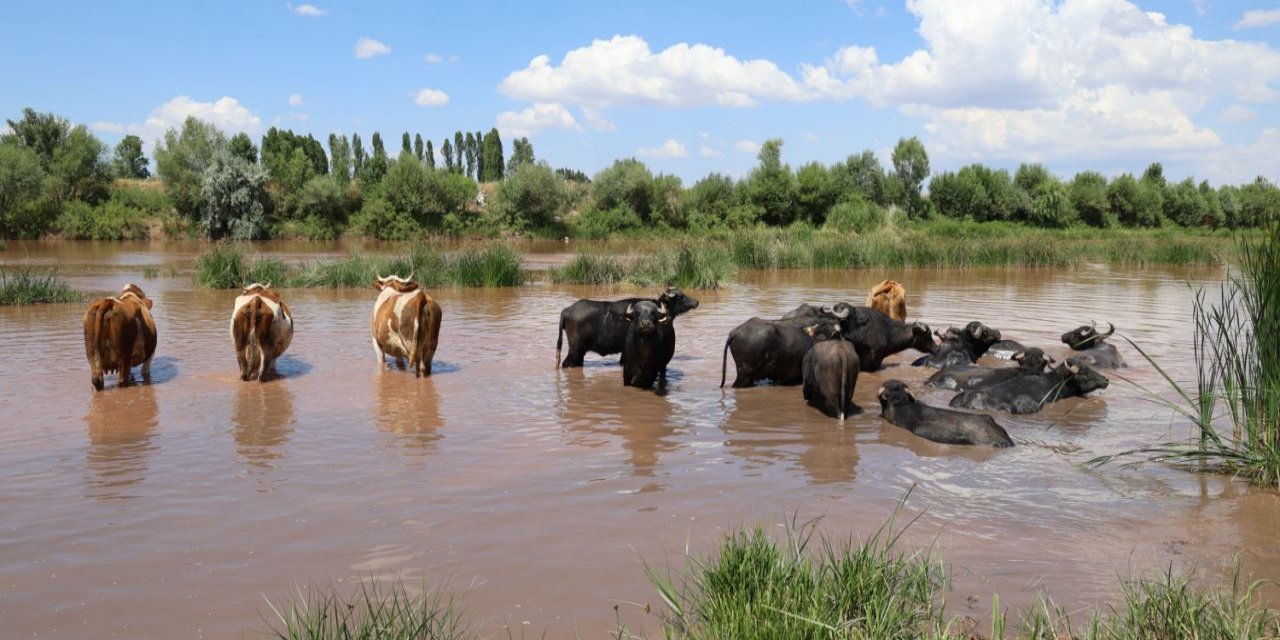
x: 805, y: 585
x: 937, y: 244
x: 34, y: 286
x: 1235, y: 407
x: 227, y: 266
x: 688, y: 265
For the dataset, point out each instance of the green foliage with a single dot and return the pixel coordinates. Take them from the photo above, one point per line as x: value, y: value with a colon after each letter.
x: 459, y: 147
x: 378, y: 219
x: 625, y: 184
x: 324, y: 204
x: 224, y: 266
x: 708, y: 201
x: 406, y: 144
x: 424, y: 195
x: 42, y: 133
x: 129, y: 161
x: 1089, y: 197
x: 521, y: 154
x: 375, y: 612
x: 376, y: 165
x: 446, y: 150
x: 357, y: 157
x: 1259, y: 203
x: 181, y: 159
x: 816, y: 192
x: 27, y: 285
x: 110, y: 220
x: 1155, y: 175
x: 234, y: 199
x: 1187, y: 206
x: 573, y: 175
x: 491, y: 159
x: 591, y: 268
x: 493, y: 265
x: 417, y: 146
x: 770, y: 186
x: 280, y: 150
x: 911, y: 167
x: 959, y: 195
x: 340, y: 159
x: 429, y: 156
x: 1051, y: 206
x: 241, y: 146
x: 666, y: 208
x: 78, y: 169
x: 861, y: 174
x: 857, y: 214
x: 1029, y: 177
x: 602, y: 223
x: 21, y: 191
x: 531, y: 196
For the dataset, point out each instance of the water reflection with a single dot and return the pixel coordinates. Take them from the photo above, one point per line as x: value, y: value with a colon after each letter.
x: 263, y: 419
x: 823, y: 448
x: 122, y: 426
x: 597, y: 404
x: 409, y: 408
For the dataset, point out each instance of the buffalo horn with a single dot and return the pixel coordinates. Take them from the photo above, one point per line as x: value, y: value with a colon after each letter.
x: 1113, y: 330
x: 841, y: 314
x: 1017, y: 357
x: 662, y: 313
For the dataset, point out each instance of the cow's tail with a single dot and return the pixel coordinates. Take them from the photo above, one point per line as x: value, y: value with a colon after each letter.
x: 844, y: 372
x: 92, y: 336
x: 559, y: 339
x: 421, y: 324
x: 255, y: 355
x: 724, y: 359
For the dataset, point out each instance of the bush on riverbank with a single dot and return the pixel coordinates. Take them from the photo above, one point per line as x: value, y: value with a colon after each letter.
x: 33, y: 286
x: 226, y: 266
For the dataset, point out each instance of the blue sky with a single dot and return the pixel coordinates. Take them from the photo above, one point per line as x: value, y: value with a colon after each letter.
x: 690, y: 87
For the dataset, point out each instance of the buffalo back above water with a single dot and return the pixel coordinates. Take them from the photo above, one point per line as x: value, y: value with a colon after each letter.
x: 773, y: 349
x: 599, y: 326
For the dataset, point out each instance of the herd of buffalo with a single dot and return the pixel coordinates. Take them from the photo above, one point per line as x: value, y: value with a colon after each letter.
x: 821, y: 347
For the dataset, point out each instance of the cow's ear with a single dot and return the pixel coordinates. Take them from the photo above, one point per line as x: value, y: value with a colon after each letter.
x: 377, y: 285
x: 148, y: 302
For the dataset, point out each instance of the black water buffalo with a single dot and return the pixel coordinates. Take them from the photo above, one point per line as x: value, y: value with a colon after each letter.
x: 593, y: 325
x: 874, y: 335
x: 830, y: 375
x: 1030, y: 393
x: 1091, y: 348
x: 648, y: 345
x: 969, y: 376
x: 961, y: 346
x: 1005, y: 349
x: 899, y: 407
x: 773, y: 349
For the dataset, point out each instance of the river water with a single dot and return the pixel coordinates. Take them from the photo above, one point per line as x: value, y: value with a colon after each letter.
x: 176, y: 509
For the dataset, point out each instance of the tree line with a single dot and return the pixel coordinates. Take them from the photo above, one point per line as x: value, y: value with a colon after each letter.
x: 56, y: 177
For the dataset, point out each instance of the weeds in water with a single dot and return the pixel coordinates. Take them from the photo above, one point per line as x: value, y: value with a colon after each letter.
x: 688, y: 266
x: 591, y: 268
x: 375, y: 612
x: 32, y: 286
x: 1237, y: 352
x: 151, y: 271
x: 491, y: 265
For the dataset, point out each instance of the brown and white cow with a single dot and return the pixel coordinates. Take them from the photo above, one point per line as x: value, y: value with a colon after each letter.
x: 261, y: 328
x: 120, y: 333
x: 889, y: 298
x: 406, y: 323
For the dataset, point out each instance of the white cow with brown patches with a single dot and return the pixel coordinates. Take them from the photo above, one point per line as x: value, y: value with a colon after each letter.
x: 119, y: 333
x: 405, y: 324
x: 261, y: 328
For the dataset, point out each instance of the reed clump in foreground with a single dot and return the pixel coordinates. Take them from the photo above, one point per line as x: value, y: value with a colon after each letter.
x: 375, y: 612
x: 1235, y: 408
x: 33, y: 286
x: 225, y: 266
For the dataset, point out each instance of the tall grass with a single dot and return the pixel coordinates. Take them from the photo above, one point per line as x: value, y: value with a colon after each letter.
x: 688, y: 266
x: 33, y: 286
x: 1235, y: 407
x: 489, y: 265
x: 374, y: 612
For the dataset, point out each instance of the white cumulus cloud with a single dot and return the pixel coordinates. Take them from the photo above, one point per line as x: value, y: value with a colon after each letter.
x: 309, y: 10
x: 295, y: 100
x: 368, y: 47
x: 624, y: 71
x: 534, y: 118
x: 747, y: 146
x: 669, y: 149
x: 1074, y: 79
x: 430, y: 98
x: 597, y: 121
x: 1237, y: 112
x: 225, y: 113
x: 1258, y: 18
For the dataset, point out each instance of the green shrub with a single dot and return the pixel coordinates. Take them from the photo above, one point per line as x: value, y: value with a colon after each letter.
x: 493, y: 265
x: 233, y: 199
x: 626, y: 184
x: 602, y: 223
x: 857, y: 215
x: 377, y: 219
x: 31, y: 286
x: 224, y: 266
x: 110, y: 220
x: 531, y: 195
x: 590, y: 268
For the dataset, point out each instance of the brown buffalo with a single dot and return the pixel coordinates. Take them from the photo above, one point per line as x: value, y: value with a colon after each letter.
x: 889, y: 298
x: 261, y: 328
x: 119, y: 333
x: 406, y: 323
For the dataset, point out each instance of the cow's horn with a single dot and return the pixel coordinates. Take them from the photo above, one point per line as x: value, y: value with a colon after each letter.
x: 267, y: 285
x: 410, y: 278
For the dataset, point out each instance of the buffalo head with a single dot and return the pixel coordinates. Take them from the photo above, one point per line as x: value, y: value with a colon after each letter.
x: 894, y: 392
x: 922, y: 338
x: 1085, y: 337
x: 1083, y: 378
x: 1033, y: 360
x: 824, y: 329
x: 677, y: 302
x: 645, y: 316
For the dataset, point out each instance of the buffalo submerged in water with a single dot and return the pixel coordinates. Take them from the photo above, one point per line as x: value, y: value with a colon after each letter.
x: 648, y: 345
x: 947, y: 426
x: 1030, y: 393
x: 773, y: 349
x: 961, y: 346
x: 968, y: 376
x: 1091, y: 348
x: 875, y: 336
x: 600, y: 326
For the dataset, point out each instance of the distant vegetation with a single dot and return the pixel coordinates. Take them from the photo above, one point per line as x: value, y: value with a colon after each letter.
x: 33, y: 286
x: 494, y: 264
x: 59, y: 178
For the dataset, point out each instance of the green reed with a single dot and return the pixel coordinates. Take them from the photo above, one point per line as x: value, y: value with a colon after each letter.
x: 28, y: 285
x: 374, y: 612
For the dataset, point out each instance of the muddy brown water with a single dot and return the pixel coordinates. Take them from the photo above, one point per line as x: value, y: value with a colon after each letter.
x: 172, y: 509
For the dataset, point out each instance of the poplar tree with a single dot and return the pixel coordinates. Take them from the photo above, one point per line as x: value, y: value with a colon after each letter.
x: 357, y: 151
x: 492, y: 156
x: 417, y: 146
x: 429, y: 156
x: 406, y: 147
x: 446, y: 150
x: 457, y: 151
x: 471, y: 155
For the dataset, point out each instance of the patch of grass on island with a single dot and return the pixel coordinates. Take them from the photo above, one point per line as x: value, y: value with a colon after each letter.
x: 226, y: 266
x: 689, y: 265
x: 34, y: 286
